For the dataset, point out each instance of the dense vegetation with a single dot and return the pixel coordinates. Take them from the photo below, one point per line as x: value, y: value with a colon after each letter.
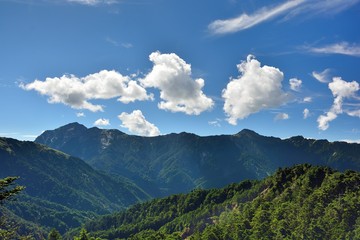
x: 8, y: 190
x: 302, y: 202
x: 178, y: 163
x: 61, y: 191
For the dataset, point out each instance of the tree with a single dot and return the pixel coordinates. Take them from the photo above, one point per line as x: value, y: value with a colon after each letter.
x: 83, y: 235
x: 7, y: 228
x: 54, y: 235
x: 6, y: 192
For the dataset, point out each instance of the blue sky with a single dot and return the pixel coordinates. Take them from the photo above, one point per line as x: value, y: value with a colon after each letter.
x: 150, y: 67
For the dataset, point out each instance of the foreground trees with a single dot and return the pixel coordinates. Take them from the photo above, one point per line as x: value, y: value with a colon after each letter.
x: 7, y: 192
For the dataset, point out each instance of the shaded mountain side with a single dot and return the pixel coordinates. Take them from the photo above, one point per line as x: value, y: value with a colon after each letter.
x: 301, y: 202
x: 177, y: 163
x: 61, y: 191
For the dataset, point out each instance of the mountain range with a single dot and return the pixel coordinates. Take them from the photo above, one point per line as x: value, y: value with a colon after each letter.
x: 74, y: 174
x: 176, y: 163
x: 61, y: 191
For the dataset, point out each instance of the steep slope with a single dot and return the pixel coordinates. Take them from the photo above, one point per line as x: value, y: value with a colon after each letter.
x: 61, y: 191
x: 177, y: 163
x: 302, y: 202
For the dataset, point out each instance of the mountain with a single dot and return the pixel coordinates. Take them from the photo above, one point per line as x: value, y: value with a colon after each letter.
x: 302, y: 202
x: 178, y: 163
x: 61, y: 191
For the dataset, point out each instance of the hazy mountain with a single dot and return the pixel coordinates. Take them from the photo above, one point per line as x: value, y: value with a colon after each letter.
x: 177, y: 163
x: 302, y: 202
x: 61, y: 191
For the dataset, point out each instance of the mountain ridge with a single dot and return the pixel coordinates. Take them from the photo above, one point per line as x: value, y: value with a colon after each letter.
x: 180, y: 162
x: 65, y: 186
x: 80, y: 128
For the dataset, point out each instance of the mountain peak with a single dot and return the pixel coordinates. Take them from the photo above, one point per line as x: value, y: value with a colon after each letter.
x: 72, y: 126
x: 62, y: 134
x: 247, y: 133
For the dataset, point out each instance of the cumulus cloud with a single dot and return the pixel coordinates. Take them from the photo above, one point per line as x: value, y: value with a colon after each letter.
x: 178, y: 90
x: 343, y: 48
x: 76, y: 92
x: 340, y: 90
x: 137, y: 124
x: 295, y: 84
x: 343, y: 89
x: 323, y: 120
x: 102, y: 122
x: 281, y: 116
x: 306, y: 113
x: 288, y: 9
x: 258, y: 87
x: 323, y: 76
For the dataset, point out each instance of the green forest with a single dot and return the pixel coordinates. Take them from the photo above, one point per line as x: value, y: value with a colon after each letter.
x: 300, y: 202
x: 184, y: 187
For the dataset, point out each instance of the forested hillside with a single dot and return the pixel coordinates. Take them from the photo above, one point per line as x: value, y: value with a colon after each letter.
x: 178, y: 163
x: 302, y: 202
x: 60, y: 191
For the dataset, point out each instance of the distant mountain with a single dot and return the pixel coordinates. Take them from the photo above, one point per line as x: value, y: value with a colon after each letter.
x: 302, y: 202
x: 61, y: 191
x: 178, y: 163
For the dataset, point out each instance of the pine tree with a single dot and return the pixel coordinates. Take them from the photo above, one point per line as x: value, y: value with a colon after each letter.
x: 54, y: 235
x: 83, y: 235
x: 5, y: 192
x: 7, y: 228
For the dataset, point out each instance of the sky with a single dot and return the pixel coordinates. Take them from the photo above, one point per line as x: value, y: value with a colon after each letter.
x: 152, y: 67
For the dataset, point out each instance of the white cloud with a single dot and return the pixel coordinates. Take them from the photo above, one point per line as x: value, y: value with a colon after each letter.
x: 306, y: 113
x: 289, y: 8
x: 323, y: 76
x: 323, y: 120
x: 355, y: 113
x: 117, y: 44
x: 326, y: 7
x: 281, y: 116
x: 112, y: 41
x: 136, y: 123
x: 127, y: 45
x: 340, y: 90
x: 255, y: 89
x: 215, y: 123
x: 245, y: 21
x: 93, y: 2
x: 102, y: 122
x: 351, y: 141
x: 76, y: 92
x: 343, y: 48
x: 343, y: 89
x: 295, y: 84
x: 80, y: 114
x: 307, y: 99
x: 179, y: 92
